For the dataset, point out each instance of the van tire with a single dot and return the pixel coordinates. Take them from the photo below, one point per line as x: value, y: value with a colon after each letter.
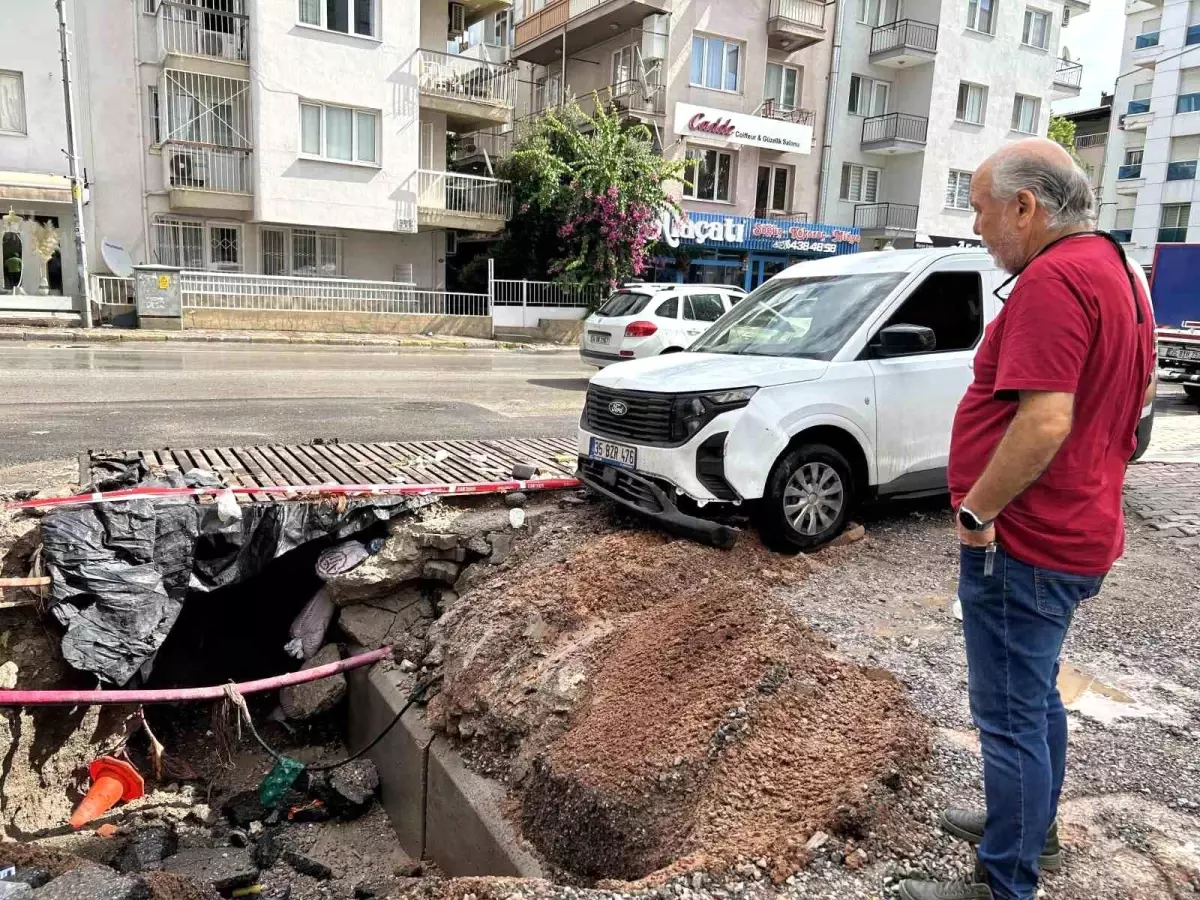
x: 671, y: 350
x: 782, y: 508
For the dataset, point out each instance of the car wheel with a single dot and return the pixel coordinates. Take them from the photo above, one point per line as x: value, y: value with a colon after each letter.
x: 1193, y: 392
x: 671, y: 350
x: 1144, y: 430
x: 810, y: 492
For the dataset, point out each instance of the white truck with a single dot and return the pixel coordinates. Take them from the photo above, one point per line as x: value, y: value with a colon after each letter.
x: 835, y: 381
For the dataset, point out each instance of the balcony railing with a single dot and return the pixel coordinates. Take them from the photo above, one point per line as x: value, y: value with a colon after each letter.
x: 1188, y: 103
x: 465, y: 195
x: 636, y: 96
x: 191, y: 30
x: 907, y: 33
x: 802, y: 12
x: 1149, y: 39
x: 1122, y: 235
x: 202, y: 167
x: 1068, y: 74
x: 494, y: 143
x: 1084, y: 141
x: 772, y: 110
x: 1133, y: 170
x: 464, y: 78
x: 1181, y: 171
x: 1136, y: 107
x: 895, y: 127
x: 1192, y: 35
x: 877, y: 216
x: 1172, y: 235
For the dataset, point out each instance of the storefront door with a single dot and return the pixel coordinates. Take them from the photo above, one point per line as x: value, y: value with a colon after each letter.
x: 762, y: 267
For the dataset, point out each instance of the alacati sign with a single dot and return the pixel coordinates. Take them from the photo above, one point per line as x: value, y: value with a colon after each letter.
x: 738, y: 128
x: 671, y: 230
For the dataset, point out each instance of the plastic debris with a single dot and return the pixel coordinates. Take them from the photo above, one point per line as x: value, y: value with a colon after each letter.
x: 346, y: 556
x: 516, y: 517
x: 308, y: 629
x: 228, y: 509
x: 113, y: 781
x: 279, y: 781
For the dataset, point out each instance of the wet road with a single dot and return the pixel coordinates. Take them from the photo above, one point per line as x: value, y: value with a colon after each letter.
x: 57, y: 401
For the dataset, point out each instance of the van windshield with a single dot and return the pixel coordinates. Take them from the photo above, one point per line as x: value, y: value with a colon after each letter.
x: 624, y: 303
x: 807, y: 317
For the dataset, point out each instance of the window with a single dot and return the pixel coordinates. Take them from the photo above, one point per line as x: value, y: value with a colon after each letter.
x: 868, y: 97
x: 339, y: 133
x: 1184, y: 153
x: 622, y: 66
x: 981, y: 15
x: 783, y: 86
x: 501, y: 29
x: 1037, y: 29
x: 950, y: 303
x: 340, y: 15
x: 1189, y: 91
x: 274, y: 252
x: 703, y: 307
x: 1124, y: 221
x: 546, y: 91
x: 155, y: 116
x: 876, y: 12
x: 1133, y: 157
x: 709, y: 174
x: 225, y: 247
x: 1066, y: 19
x: 1173, y: 225
x: 860, y: 184
x: 958, y: 190
x: 972, y: 103
x: 668, y: 309
x: 179, y: 242
x: 12, y: 103
x: 715, y: 63
x: 315, y: 254
x: 772, y: 194
x: 1026, y: 111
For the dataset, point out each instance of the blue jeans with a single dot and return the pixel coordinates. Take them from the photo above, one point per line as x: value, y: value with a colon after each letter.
x: 1014, y: 621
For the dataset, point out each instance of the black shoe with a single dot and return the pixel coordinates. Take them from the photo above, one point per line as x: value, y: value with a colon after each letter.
x: 967, y: 824
x: 973, y: 887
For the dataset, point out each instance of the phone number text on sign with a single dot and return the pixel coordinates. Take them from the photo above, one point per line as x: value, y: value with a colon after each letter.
x: 805, y: 246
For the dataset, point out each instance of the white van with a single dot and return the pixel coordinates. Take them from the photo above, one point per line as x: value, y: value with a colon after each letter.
x: 836, y: 380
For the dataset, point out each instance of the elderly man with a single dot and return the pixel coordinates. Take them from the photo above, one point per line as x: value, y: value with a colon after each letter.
x: 1037, y: 461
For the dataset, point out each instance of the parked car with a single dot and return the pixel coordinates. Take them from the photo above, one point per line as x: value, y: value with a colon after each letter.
x: 835, y: 381
x: 641, y: 320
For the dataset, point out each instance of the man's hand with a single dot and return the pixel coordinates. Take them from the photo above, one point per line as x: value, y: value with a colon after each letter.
x: 975, y: 538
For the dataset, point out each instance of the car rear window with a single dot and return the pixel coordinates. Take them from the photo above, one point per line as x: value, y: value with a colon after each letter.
x: 624, y: 303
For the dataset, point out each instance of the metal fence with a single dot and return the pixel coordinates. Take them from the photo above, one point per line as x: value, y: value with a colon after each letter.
x: 199, y: 167
x: 900, y: 216
x: 1083, y: 141
x: 464, y: 78
x: 1068, y: 74
x: 278, y: 293
x: 895, y: 127
x: 805, y: 12
x: 220, y: 30
x: 466, y: 195
x: 906, y: 33
x: 522, y: 292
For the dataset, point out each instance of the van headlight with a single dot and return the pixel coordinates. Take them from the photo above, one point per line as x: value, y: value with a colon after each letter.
x: 692, y: 412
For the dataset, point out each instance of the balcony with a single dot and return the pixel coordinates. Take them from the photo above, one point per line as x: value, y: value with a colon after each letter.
x: 772, y: 110
x: 1137, y: 116
x: 477, y: 9
x: 638, y: 99
x: 1181, y: 171
x: 1079, y: 6
x: 1122, y: 235
x: 1147, y: 50
x: 479, y: 151
x: 541, y: 34
x: 203, y: 177
x: 1067, y: 78
x: 894, y: 133
x: 882, y: 217
x: 1172, y: 235
x: 471, y: 92
x: 465, y: 202
x: 212, y: 40
x: 1186, y: 103
x: 794, y: 24
x: 903, y: 44
x: 1129, y: 179
x: 1088, y: 141
x: 1192, y: 35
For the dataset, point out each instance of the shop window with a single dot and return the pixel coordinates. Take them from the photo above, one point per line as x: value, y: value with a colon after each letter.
x: 949, y: 303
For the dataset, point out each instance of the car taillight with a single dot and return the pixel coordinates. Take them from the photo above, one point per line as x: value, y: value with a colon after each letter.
x: 640, y: 329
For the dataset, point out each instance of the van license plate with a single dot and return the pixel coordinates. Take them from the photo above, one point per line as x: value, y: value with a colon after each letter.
x: 599, y: 337
x: 1182, y: 353
x: 617, y: 454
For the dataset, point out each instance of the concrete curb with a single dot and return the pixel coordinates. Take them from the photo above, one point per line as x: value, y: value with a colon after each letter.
x: 110, y: 336
x: 439, y: 809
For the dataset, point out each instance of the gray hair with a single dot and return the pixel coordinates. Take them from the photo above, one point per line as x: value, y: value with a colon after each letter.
x: 1062, y: 191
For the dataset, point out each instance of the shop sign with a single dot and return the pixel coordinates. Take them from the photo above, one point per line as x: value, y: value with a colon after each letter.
x: 671, y: 229
x: 746, y: 233
x: 803, y: 239
x: 739, y: 128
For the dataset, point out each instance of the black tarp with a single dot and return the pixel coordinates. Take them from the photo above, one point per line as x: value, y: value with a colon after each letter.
x: 120, y: 572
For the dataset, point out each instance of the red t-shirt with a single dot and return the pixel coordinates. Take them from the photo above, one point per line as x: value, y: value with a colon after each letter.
x: 1069, y: 326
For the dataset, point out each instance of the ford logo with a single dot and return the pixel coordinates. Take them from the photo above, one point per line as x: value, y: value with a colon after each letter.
x: 617, y: 408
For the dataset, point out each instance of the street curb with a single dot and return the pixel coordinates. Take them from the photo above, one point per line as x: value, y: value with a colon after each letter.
x: 105, y: 336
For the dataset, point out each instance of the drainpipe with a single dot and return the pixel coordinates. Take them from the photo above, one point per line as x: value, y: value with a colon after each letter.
x: 142, y: 145
x: 830, y: 108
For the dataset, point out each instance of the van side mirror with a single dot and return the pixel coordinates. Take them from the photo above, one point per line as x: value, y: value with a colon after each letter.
x: 904, y: 340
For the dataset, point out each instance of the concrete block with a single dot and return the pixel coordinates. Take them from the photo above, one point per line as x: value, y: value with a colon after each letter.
x: 400, y: 757
x: 465, y: 831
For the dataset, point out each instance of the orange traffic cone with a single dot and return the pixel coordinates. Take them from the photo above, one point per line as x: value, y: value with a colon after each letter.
x: 112, y: 781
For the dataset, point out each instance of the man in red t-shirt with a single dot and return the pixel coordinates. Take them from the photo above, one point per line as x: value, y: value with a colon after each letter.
x: 1037, y: 462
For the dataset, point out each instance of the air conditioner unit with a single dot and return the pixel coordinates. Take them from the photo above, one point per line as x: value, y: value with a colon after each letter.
x: 188, y: 170
x: 458, y: 20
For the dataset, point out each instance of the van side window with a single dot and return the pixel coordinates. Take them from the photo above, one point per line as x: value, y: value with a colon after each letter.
x: 668, y: 309
x: 951, y: 303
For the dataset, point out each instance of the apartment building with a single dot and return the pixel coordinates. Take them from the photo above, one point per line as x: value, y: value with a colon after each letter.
x: 925, y: 91
x: 1091, y: 139
x: 273, y: 137
x: 1149, y: 193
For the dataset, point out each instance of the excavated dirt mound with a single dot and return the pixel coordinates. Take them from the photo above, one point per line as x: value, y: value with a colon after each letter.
x: 655, y: 707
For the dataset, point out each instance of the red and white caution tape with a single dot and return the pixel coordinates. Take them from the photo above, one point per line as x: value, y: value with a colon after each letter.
x: 327, y: 490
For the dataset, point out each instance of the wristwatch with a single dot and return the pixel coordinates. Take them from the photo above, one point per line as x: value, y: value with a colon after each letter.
x: 971, y: 521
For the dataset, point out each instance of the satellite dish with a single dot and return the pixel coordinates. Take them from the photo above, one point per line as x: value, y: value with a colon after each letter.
x: 117, y: 258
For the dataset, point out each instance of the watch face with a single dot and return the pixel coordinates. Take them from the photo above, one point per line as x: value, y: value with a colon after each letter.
x: 969, y: 520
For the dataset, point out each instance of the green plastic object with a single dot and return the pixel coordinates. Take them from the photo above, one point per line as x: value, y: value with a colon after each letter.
x: 279, y: 781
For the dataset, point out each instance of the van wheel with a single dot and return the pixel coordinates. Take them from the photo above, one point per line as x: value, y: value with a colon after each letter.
x: 671, y: 350
x: 810, y: 492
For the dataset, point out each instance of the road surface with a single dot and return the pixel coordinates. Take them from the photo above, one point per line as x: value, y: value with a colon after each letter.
x: 59, y: 400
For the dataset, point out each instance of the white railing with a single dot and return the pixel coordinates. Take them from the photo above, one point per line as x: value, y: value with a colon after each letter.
x: 465, y: 195
x: 1083, y: 141
x: 110, y: 290
x: 495, y: 144
x: 463, y: 78
x: 520, y: 292
x: 278, y: 293
x: 191, y: 30
x: 805, y: 12
x: 199, y: 167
